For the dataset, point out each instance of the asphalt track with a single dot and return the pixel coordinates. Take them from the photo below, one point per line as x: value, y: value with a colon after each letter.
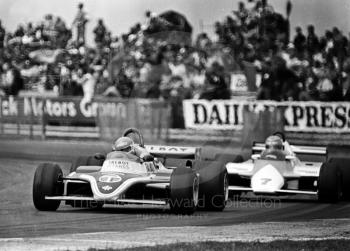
x: 19, y: 218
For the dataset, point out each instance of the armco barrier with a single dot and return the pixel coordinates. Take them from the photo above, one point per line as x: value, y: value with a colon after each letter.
x: 74, y: 117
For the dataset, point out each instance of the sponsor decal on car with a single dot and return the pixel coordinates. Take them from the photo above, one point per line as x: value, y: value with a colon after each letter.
x: 107, y: 188
x: 118, y: 164
x: 110, y: 179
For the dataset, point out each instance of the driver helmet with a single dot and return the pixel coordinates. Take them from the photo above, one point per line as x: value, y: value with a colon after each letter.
x: 123, y: 144
x: 274, y: 143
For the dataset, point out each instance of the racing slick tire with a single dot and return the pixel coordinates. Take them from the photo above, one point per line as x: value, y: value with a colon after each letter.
x: 213, y: 186
x: 329, y: 183
x: 344, y: 166
x: 184, y: 188
x: 85, y: 161
x: 339, y: 155
x: 46, y: 183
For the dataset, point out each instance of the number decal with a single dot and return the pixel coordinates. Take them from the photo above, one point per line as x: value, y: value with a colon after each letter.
x: 264, y: 181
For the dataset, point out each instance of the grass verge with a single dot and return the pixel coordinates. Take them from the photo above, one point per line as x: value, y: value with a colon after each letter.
x: 281, y: 245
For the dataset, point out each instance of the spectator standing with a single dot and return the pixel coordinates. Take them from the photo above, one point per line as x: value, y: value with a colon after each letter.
x: 63, y: 33
x: 19, y: 32
x: 215, y: 85
x: 299, y: 41
x: 2, y: 35
x: 242, y: 13
x: 12, y: 81
x: 80, y: 22
x: 100, y: 33
x: 89, y: 84
x: 312, y: 43
x: 124, y: 85
x: 340, y: 44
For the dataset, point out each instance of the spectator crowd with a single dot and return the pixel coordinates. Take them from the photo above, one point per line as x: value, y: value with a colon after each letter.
x: 159, y: 58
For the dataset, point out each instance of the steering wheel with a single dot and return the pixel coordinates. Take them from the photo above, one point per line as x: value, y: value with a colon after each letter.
x: 135, y: 131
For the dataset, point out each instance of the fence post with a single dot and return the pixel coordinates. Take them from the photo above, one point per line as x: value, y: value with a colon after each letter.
x: 43, y: 120
x: 167, y: 123
x: 18, y: 117
x: 31, y: 120
x: 1, y: 118
x: 160, y: 119
x: 97, y: 120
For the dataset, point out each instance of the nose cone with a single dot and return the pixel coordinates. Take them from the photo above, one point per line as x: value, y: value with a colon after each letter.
x: 267, y: 180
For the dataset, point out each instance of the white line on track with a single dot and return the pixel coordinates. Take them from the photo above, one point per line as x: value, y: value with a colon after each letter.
x: 264, y: 232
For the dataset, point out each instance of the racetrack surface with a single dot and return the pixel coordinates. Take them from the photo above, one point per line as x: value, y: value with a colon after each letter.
x: 19, y: 218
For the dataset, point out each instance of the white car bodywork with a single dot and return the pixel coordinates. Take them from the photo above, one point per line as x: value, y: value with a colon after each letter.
x: 269, y: 176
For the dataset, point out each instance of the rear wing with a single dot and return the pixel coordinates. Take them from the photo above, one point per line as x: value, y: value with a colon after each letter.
x: 177, y: 152
x: 297, y: 149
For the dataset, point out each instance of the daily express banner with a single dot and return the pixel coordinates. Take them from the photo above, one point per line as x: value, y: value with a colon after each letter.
x: 215, y: 114
x: 298, y: 116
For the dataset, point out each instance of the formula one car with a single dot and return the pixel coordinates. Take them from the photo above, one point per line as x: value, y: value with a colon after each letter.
x: 279, y: 171
x: 123, y: 178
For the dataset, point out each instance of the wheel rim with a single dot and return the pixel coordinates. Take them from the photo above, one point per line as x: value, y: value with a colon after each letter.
x: 195, y: 191
x: 226, y: 190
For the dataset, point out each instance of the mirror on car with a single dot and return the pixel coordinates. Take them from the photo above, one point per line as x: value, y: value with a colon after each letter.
x: 99, y: 156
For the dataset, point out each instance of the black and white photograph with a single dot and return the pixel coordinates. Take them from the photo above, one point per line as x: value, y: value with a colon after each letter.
x: 174, y: 125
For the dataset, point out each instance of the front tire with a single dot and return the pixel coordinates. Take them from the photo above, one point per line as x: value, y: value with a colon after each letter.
x: 46, y: 183
x: 344, y: 166
x: 329, y: 183
x: 214, y: 185
x: 184, y: 186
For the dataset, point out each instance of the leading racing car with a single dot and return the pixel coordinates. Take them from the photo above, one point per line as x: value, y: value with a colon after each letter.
x: 134, y: 174
x: 275, y: 168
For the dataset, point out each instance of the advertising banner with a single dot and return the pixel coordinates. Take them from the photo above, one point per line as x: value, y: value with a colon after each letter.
x: 239, y: 82
x: 317, y: 117
x: 59, y: 109
x: 215, y: 114
x: 321, y: 117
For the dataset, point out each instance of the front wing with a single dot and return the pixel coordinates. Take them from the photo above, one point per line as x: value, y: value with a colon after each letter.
x: 115, y: 196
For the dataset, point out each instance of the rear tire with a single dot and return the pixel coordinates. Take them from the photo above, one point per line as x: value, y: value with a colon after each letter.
x: 85, y: 161
x: 213, y: 186
x: 46, y: 183
x: 184, y: 186
x: 329, y: 183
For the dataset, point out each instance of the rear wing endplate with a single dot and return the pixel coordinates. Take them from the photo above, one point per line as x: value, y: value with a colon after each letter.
x: 177, y: 152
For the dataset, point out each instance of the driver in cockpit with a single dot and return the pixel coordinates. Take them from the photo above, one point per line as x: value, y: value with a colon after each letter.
x: 276, y: 148
x: 126, y: 144
x: 286, y: 146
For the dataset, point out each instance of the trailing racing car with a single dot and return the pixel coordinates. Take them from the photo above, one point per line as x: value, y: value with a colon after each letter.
x: 275, y: 168
x: 134, y: 174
